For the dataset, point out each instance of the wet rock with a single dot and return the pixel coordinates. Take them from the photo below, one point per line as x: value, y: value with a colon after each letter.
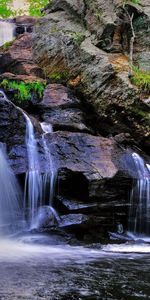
x: 86, y: 228
x: 74, y: 206
x: 62, y: 109
x: 45, y: 217
x: 12, y: 133
x: 24, y: 24
x: 86, y: 165
x: 18, y: 58
x: 72, y: 220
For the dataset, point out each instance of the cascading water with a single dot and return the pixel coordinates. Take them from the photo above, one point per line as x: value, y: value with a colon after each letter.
x: 7, y: 31
x: 37, y: 185
x: 139, y: 215
x: 33, y: 183
x: 50, y: 176
x: 11, y: 212
x: 3, y: 96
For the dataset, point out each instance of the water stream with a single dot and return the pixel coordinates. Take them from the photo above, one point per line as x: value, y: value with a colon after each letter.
x: 7, y: 32
x: 139, y: 214
x: 39, y: 188
x: 50, y: 176
x: 11, y: 211
x: 3, y: 95
x: 35, y: 267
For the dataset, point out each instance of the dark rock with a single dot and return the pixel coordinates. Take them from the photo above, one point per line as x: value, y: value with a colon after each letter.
x: 90, y: 166
x: 72, y: 220
x: 12, y: 133
x: 75, y: 206
x: 62, y: 109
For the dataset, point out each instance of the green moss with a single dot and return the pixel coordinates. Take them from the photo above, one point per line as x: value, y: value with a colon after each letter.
x: 141, y: 78
x: 77, y: 37
x: 23, y: 91
x: 7, y: 45
x: 131, y: 1
x: 59, y: 77
x: 54, y: 29
x: 98, y: 13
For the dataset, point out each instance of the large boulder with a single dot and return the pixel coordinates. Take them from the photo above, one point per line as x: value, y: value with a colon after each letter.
x: 90, y: 42
x: 18, y: 59
x: 89, y: 166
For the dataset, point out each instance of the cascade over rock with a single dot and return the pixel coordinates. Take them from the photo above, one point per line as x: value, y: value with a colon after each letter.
x: 84, y: 129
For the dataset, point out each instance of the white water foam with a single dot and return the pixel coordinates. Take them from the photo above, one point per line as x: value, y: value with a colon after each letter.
x: 7, y: 30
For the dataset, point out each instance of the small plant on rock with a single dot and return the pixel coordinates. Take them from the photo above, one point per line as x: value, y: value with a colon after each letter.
x: 141, y: 78
x: 23, y: 91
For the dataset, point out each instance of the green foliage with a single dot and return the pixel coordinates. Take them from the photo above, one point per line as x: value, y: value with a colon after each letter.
x: 7, y: 45
x: 135, y: 1
x: 98, y: 13
x: 60, y: 77
x: 23, y: 91
x: 141, y: 78
x: 77, y: 37
x: 5, y: 11
x: 35, y: 7
x: 124, y: 2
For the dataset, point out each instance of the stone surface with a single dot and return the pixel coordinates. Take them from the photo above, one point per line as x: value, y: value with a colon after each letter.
x: 12, y: 133
x: 62, y: 109
x: 18, y: 58
x: 88, y: 43
x: 86, y: 47
x: 75, y: 206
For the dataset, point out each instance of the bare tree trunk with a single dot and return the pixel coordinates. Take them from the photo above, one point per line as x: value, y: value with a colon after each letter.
x: 130, y: 18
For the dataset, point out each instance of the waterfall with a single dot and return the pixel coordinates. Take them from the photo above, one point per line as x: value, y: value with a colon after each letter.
x: 3, y: 96
x: 11, y: 216
x: 33, y: 182
x: 139, y: 214
x: 51, y: 175
x: 38, y: 186
x: 7, y: 32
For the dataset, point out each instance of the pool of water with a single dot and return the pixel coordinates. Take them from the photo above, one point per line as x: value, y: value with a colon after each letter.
x: 32, y: 267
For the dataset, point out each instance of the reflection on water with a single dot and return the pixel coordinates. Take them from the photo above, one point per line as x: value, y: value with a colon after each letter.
x: 30, y: 270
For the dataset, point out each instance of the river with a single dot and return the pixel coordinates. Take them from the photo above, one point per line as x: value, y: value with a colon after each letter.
x: 33, y: 268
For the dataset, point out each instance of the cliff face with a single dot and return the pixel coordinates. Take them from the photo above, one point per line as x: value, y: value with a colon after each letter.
x: 97, y: 116
x: 89, y: 44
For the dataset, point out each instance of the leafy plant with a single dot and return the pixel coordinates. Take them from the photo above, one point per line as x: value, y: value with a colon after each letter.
x: 141, y: 78
x: 35, y: 7
x: 7, y: 45
x: 5, y: 10
x: 60, y: 76
x: 131, y: 1
x: 23, y: 91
